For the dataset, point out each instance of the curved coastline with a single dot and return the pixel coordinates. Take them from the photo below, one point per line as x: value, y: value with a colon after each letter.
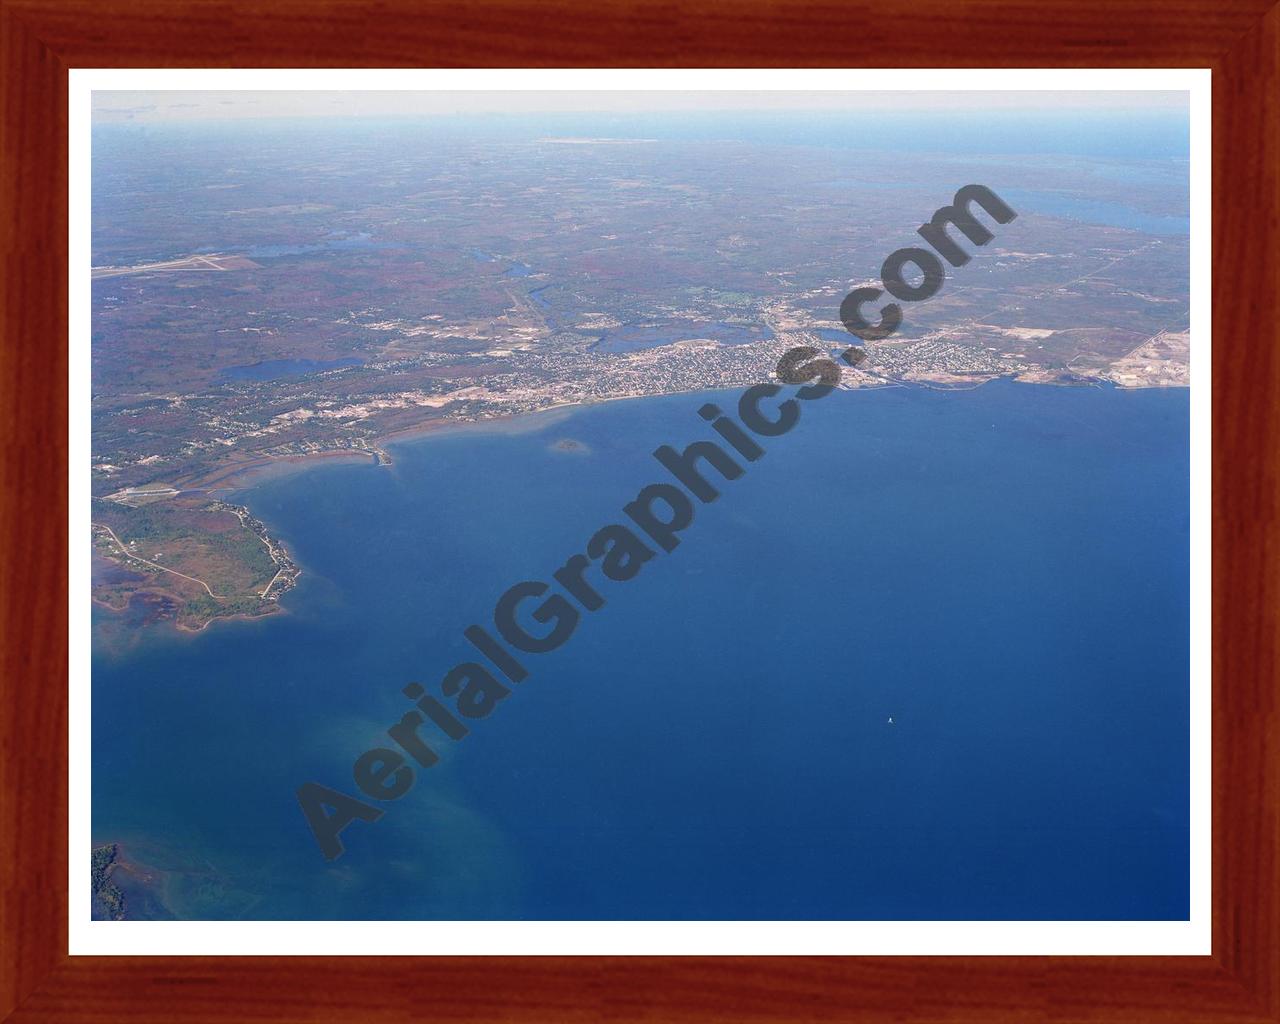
x: 239, y: 480
x: 238, y: 477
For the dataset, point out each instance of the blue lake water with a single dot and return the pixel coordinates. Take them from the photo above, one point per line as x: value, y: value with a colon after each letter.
x: 1003, y: 571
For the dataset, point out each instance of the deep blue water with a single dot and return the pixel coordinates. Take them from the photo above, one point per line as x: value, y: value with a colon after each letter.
x: 1003, y: 571
x: 274, y: 369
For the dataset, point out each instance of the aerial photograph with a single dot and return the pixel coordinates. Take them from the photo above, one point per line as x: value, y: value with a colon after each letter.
x: 666, y: 506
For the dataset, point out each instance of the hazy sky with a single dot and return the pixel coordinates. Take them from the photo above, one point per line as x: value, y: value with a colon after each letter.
x: 156, y: 106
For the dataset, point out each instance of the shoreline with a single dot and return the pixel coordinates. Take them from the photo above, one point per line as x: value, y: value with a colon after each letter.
x: 234, y: 478
x: 245, y: 476
x: 182, y: 628
x: 239, y: 477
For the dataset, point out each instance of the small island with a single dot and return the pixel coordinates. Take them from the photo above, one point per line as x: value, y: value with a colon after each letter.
x: 568, y: 444
x: 165, y: 555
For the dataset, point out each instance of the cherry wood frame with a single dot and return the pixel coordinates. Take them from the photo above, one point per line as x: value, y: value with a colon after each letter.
x: 41, y: 39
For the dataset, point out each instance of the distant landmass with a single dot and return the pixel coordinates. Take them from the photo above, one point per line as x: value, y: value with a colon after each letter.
x: 279, y: 301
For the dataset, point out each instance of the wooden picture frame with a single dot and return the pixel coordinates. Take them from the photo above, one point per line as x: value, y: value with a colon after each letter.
x: 42, y: 39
